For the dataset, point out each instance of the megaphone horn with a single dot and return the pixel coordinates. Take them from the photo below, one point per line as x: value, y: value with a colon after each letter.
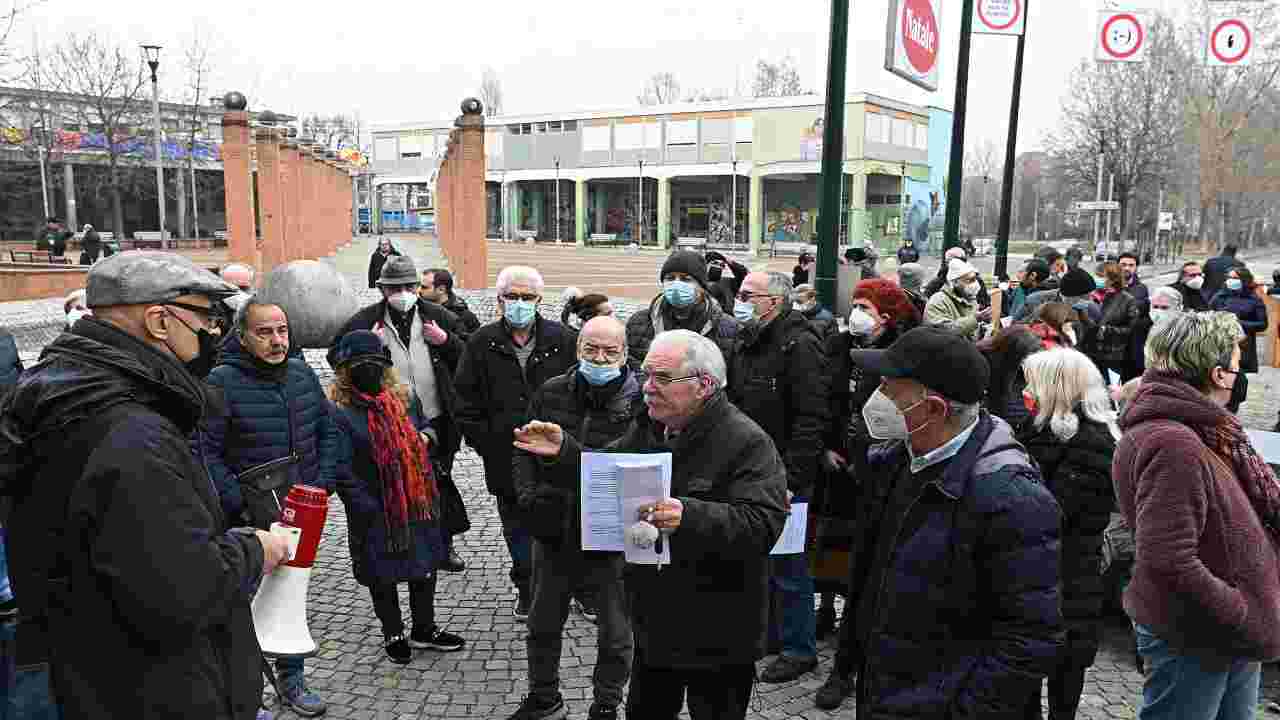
x: 280, y: 607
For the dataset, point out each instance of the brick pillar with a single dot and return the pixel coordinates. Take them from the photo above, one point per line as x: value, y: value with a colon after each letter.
x: 289, y: 194
x: 270, y: 199
x: 315, y: 196
x: 332, y: 202
x: 442, y: 206
x: 306, y: 202
x: 469, y: 215
x: 241, y: 242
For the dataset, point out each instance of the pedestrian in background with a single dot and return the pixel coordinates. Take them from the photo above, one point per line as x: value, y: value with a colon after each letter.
x: 1204, y: 508
x: 1239, y: 296
x: 910, y: 279
x: 386, y: 479
x: 1190, y: 284
x: 1071, y: 433
x: 437, y: 287
x: 90, y: 245
x: 1216, y: 270
x: 580, y: 308
x: 802, y: 273
x: 379, y: 258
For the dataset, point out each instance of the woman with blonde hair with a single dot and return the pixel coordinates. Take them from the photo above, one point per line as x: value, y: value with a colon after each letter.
x: 387, y: 482
x: 1072, y: 434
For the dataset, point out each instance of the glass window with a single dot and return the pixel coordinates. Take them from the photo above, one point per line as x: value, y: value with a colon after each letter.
x: 555, y: 126
x: 743, y: 129
x: 901, y: 128
x: 716, y: 132
x: 595, y: 138
x: 526, y: 129
x: 384, y: 149
x: 628, y: 136
x: 540, y: 128
x: 570, y: 125
x: 514, y: 129
x: 874, y: 130
x: 682, y: 132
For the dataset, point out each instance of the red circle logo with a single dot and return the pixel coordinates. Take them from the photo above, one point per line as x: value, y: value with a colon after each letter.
x: 1228, y: 57
x: 1015, y: 7
x: 1131, y: 33
x: 920, y: 35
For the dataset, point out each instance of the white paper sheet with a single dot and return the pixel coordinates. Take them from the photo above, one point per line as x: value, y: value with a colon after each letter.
x: 613, y: 485
x: 791, y: 542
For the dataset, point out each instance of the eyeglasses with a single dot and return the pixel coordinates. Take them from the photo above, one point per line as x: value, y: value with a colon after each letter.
x: 663, y: 380
x: 610, y: 354
x: 211, y: 318
x: 521, y: 297
x: 745, y: 296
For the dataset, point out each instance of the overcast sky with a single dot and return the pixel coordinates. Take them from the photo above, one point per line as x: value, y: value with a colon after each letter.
x: 398, y: 61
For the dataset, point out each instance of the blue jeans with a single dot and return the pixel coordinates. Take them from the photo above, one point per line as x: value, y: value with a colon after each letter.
x: 792, y: 622
x: 6, y: 592
x: 25, y: 693
x: 1194, y: 686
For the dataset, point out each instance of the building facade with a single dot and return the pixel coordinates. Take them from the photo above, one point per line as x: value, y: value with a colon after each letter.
x: 739, y: 174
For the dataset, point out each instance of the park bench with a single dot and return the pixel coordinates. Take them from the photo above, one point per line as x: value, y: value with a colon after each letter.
x: 37, y: 257
x: 695, y: 244
x: 151, y: 240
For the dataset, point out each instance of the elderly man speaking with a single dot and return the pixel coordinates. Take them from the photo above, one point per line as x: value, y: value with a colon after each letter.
x: 699, y: 624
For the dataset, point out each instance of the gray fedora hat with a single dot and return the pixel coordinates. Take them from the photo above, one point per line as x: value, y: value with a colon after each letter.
x: 399, y: 270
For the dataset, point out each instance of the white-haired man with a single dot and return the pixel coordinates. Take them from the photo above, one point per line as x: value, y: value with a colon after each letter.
x: 699, y: 624
x: 503, y: 364
x: 239, y: 275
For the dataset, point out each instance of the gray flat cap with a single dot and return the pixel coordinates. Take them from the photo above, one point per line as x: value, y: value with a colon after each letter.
x: 139, y: 277
x: 399, y: 270
x: 911, y: 276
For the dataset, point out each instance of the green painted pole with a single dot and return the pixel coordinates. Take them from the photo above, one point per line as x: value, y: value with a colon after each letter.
x: 1010, y: 155
x: 955, y: 176
x: 832, y: 154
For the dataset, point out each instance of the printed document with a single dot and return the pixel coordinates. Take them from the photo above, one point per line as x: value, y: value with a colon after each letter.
x: 613, y: 487
x: 791, y: 542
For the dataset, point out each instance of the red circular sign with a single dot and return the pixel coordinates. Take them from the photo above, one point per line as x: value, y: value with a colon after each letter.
x: 1213, y: 41
x: 1106, y: 28
x: 1013, y: 19
x: 920, y: 34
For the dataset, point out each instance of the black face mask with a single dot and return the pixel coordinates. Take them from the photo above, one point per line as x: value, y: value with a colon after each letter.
x: 200, y: 365
x: 714, y: 272
x: 367, y: 378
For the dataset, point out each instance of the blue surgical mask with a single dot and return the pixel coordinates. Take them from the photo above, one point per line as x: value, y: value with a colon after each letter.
x: 519, y: 313
x: 598, y: 374
x: 680, y: 293
x: 1234, y: 283
x: 744, y: 311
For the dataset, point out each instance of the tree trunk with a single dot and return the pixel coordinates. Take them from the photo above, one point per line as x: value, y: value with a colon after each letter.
x: 117, y: 210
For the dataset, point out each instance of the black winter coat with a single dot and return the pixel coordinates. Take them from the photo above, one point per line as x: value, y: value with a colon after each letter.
x: 707, y: 319
x: 10, y: 362
x: 117, y: 544
x: 709, y: 607
x: 1005, y: 386
x: 1120, y: 314
x: 376, y: 261
x: 1252, y: 314
x: 494, y: 392
x: 967, y: 621
x: 265, y: 417
x: 1216, y: 270
x: 549, y: 493
x: 779, y: 376
x: 1192, y: 300
x: 468, y: 323
x: 1078, y: 473
x: 444, y: 360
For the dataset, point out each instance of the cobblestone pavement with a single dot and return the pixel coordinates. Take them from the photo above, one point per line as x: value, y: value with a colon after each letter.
x: 488, y: 677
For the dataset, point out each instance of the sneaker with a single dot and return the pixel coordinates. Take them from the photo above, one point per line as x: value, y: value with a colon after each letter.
x: 299, y: 698
x: 453, y: 563
x: 435, y: 639
x: 9, y: 608
x: 600, y: 711
x: 833, y: 691
x: 521, y: 608
x: 786, y: 669
x: 533, y: 707
x: 588, y: 611
x: 397, y: 649
x: 826, y: 622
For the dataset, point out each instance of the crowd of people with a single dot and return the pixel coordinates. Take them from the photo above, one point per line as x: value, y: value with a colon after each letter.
x: 960, y: 471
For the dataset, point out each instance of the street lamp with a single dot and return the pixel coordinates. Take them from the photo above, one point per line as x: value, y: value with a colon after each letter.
x: 153, y: 61
x: 557, y: 199
x: 986, y: 179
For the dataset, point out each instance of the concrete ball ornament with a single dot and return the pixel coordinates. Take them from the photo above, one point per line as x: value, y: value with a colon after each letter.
x: 642, y: 534
x: 472, y: 106
x: 235, y: 101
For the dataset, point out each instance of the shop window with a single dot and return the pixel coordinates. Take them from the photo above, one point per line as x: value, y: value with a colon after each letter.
x: 539, y: 128
x: 902, y: 132
x: 526, y: 129
x: 513, y: 129
x: 570, y: 125
x: 743, y: 128
x: 682, y: 133
x: 555, y: 126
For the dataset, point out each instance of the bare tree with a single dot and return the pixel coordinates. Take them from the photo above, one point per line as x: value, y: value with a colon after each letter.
x: 1128, y: 112
x: 983, y: 170
x: 660, y: 89
x: 334, y: 131
x: 198, y: 67
x: 703, y: 95
x: 780, y: 79
x: 491, y: 92
x: 101, y: 84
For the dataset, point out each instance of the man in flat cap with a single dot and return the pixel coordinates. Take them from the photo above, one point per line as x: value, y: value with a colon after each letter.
x: 954, y: 606
x: 134, y: 591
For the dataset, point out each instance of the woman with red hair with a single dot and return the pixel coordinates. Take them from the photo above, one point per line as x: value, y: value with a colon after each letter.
x: 881, y: 312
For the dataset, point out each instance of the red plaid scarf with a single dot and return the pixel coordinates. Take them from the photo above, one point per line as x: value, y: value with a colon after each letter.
x: 404, y: 467
x: 1229, y: 441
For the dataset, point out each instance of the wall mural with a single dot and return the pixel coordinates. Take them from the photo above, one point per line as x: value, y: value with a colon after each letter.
x: 811, y: 141
x: 720, y: 228
x: 141, y: 146
x: 790, y: 224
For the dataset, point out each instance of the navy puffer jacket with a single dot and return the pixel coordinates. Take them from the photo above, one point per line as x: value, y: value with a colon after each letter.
x: 265, y: 419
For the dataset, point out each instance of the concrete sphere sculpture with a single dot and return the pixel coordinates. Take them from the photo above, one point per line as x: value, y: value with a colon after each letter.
x: 472, y: 106
x: 315, y: 296
x: 235, y: 101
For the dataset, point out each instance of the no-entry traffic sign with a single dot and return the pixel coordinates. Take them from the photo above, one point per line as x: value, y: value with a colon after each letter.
x: 1121, y: 36
x: 914, y: 41
x: 999, y: 17
x: 1229, y: 41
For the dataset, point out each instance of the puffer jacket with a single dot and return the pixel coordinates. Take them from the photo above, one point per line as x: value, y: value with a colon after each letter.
x: 360, y: 488
x: 948, y: 308
x: 129, y: 578
x: 265, y: 417
x: 1252, y: 314
x: 967, y: 620
x: 1078, y: 473
x: 779, y: 376
x: 1206, y: 574
x: 708, y: 608
x: 549, y: 494
x: 493, y: 391
x: 707, y: 319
